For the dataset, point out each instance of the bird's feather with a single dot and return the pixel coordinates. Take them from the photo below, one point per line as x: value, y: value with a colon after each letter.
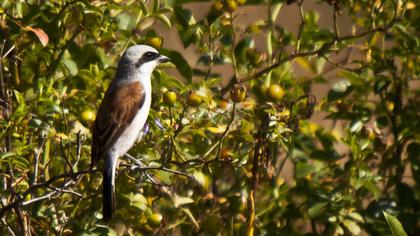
x: 118, y: 109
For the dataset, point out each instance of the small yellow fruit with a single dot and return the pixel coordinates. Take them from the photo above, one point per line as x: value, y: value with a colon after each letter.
x: 88, y: 116
x: 194, y: 100
x: 169, y: 98
x: 218, y: 5
x: 154, y: 220
x: 275, y: 92
x: 238, y: 93
x: 241, y: 2
x: 230, y: 5
x: 155, y: 42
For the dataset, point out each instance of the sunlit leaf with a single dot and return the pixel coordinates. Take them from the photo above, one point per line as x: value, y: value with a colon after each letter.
x: 179, y: 200
x: 394, y: 225
x: 352, y: 226
x: 340, y: 90
x: 40, y: 33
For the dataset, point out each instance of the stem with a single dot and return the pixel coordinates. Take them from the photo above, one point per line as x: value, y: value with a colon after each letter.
x: 219, y: 141
x: 250, y: 230
x: 336, y: 31
x: 36, y: 159
x: 302, y: 24
x: 53, y: 67
x: 258, y: 152
x: 323, y: 49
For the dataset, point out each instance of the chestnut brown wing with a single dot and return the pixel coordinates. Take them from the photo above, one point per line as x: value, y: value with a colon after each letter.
x: 117, y: 110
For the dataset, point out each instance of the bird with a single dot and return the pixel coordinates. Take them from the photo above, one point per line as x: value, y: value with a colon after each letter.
x: 122, y: 114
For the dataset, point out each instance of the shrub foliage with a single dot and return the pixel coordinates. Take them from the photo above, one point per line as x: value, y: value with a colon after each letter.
x: 232, y: 153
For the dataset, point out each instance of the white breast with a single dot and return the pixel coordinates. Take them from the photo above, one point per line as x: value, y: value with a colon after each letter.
x: 131, y: 133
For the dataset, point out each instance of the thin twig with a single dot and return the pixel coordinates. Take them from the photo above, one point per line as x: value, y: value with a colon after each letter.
x: 140, y: 166
x: 79, y: 147
x: 323, y: 49
x: 36, y: 160
x: 225, y: 132
x: 335, y: 21
x: 19, y: 201
x: 52, y: 68
x: 8, y: 227
x: 63, y: 154
x: 62, y: 190
x: 301, y: 26
x: 162, y: 168
x: 8, y: 51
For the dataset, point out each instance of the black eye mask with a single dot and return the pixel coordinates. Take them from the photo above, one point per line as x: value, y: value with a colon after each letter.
x: 147, y: 56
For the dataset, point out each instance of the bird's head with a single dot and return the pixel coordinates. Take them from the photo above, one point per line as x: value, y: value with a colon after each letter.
x: 139, y: 60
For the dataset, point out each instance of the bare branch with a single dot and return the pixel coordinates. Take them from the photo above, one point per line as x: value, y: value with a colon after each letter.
x: 19, y: 202
x: 78, y: 148
x: 8, y: 227
x: 36, y: 160
x: 323, y: 49
x: 140, y: 166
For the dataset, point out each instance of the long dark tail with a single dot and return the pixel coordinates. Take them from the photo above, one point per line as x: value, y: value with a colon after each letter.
x: 108, y: 188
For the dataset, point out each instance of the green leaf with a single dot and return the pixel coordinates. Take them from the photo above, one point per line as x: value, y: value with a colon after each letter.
x: 275, y: 10
x: 71, y: 66
x: 164, y: 19
x: 201, y: 178
x: 179, y: 201
x: 394, y: 225
x: 352, y: 226
x: 137, y: 200
x: 325, y: 155
x: 125, y: 21
x: 340, y: 90
x: 317, y: 209
x: 19, y: 97
x: 155, y: 5
x: 191, y: 217
x: 240, y: 49
x: 184, y: 17
x: 356, y: 216
x: 179, y: 61
x: 163, y: 176
x: 304, y: 169
x: 356, y: 126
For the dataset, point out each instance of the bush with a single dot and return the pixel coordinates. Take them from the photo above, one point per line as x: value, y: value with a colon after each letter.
x: 255, y: 150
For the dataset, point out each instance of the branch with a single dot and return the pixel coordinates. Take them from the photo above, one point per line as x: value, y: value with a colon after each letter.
x: 140, y: 166
x: 162, y: 168
x: 36, y: 159
x: 20, y: 200
x: 53, y: 67
x: 302, y: 24
x: 225, y: 132
x: 324, y: 48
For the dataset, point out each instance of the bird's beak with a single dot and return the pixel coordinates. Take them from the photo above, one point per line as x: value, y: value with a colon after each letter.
x: 163, y: 59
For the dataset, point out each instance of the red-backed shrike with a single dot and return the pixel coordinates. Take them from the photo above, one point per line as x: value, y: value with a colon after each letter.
x: 122, y: 114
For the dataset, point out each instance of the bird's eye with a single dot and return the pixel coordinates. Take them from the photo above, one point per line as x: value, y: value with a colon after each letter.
x: 148, y: 55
